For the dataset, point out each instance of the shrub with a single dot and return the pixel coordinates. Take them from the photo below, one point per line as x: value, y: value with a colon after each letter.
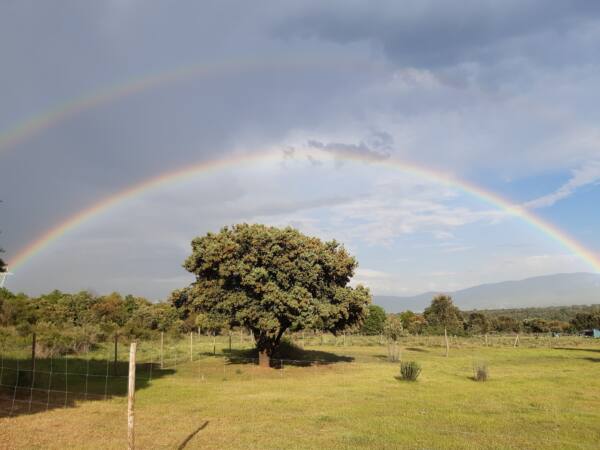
x: 393, y: 352
x: 480, y: 372
x: 410, y: 370
x: 54, y: 341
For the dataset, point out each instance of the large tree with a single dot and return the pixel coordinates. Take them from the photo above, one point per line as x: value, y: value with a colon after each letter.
x: 270, y: 280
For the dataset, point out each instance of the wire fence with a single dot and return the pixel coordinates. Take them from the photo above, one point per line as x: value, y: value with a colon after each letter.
x: 31, y: 384
x: 217, y: 368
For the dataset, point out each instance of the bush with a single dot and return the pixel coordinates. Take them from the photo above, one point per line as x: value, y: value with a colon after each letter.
x: 53, y: 341
x: 480, y: 372
x: 410, y: 370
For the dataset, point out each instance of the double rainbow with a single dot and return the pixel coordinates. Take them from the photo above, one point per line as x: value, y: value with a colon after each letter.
x: 37, y: 124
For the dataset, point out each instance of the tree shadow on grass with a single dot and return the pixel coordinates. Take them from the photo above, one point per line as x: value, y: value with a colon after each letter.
x: 577, y: 349
x: 289, y: 355
x: 65, y: 382
x: 596, y: 360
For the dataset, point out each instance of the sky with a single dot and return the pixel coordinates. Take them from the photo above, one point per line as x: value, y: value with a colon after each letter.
x: 98, y: 97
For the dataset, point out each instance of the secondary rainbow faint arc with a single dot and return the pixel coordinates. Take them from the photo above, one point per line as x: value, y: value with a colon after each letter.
x: 240, y: 160
x: 36, y: 124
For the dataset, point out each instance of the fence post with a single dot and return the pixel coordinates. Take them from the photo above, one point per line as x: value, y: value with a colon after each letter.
x: 33, y: 352
x: 116, y: 348
x: 214, y: 343
x: 191, y: 345
x: 230, y: 342
x: 131, y: 398
x: 447, y: 344
x: 162, y: 338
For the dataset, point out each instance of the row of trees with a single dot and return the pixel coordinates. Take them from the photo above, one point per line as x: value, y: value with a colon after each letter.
x: 66, y: 323
x: 263, y: 279
x: 443, y: 314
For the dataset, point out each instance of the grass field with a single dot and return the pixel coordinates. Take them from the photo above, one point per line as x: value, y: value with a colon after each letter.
x: 536, y: 397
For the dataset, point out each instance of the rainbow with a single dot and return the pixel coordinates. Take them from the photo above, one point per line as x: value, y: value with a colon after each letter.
x: 240, y: 160
x: 29, y: 128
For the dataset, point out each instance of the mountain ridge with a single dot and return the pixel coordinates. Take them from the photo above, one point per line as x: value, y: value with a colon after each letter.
x: 560, y: 289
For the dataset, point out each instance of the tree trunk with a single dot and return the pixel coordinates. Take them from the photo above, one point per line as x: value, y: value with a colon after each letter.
x: 264, y: 360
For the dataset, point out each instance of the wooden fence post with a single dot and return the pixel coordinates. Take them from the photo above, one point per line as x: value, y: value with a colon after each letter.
x: 116, y: 348
x: 33, y: 352
x: 162, y: 338
x: 214, y: 343
x: 191, y: 346
x: 131, y: 398
x: 230, y: 342
x: 447, y: 344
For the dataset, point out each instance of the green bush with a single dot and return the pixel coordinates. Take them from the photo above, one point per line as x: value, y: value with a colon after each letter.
x: 410, y: 370
x: 54, y: 341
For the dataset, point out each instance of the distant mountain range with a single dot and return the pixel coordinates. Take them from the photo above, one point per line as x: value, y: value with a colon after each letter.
x: 550, y: 290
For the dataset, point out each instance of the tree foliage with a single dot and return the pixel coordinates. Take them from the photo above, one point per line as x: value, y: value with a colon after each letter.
x: 393, y: 327
x: 442, y: 313
x: 413, y: 323
x: 83, y: 318
x: 375, y: 321
x: 477, y: 323
x: 270, y: 280
x: 585, y: 321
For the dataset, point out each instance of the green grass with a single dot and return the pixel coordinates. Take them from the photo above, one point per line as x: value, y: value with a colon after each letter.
x: 536, y: 397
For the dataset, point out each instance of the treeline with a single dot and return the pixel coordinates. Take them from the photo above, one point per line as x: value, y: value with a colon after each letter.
x: 70, y: 323
x: 66, y: 323
x: 549, y: 313
x: 443, y: 314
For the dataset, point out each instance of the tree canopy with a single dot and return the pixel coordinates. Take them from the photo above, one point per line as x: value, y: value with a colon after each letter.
x: 270, y: 280
x: 442, y: 313
x: 374, y: 321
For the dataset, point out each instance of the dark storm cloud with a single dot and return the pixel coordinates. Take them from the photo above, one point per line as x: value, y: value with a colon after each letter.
x: 437, y: 33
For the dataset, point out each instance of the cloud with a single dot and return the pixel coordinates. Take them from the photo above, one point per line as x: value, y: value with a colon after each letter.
x: 437, y: 34
x: 361, y: 149
x: 583, y: 176
x: 488, y: 91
